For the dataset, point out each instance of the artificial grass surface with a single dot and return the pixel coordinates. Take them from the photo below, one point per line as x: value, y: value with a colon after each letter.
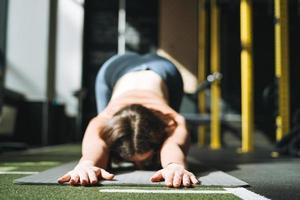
x: 8, y: 190
x: 28, y: 166
x: 40, y: 160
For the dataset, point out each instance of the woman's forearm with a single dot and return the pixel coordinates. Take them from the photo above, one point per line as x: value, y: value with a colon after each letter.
x: 175, y: 148
x: 93, y: 147
x: 172, y: 153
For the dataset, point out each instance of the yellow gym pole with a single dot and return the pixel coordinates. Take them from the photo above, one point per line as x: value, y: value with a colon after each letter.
x: 201, y: 64
x: 215, y: 87
x: 246, y: 75
x: 282, y: 67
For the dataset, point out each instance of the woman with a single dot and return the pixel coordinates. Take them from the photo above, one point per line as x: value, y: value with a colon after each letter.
x: 137, y: 100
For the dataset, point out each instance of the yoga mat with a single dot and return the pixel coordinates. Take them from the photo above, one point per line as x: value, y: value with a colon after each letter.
x: 137, y: 177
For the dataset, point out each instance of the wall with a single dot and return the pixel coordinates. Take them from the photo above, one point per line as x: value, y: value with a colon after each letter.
x: 28, y: 50
x: 69, y: 52
x: 178, y: 37
x: 27, y: 42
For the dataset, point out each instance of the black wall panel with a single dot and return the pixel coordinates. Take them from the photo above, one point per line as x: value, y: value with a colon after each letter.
x: 101, y: 39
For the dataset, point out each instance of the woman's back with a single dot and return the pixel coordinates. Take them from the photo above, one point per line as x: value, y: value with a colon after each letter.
x: 145, y: 80
x: 149, y: 73
x: 142, y: 87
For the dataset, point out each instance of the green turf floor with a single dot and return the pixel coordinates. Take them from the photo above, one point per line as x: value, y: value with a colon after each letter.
x: 39, y: 160
x: 8, y: 190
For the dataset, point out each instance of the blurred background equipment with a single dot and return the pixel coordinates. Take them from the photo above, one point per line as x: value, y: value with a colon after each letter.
x: 48, y: 63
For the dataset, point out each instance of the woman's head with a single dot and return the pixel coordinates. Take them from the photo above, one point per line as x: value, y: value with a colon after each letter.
x: 135, y: 133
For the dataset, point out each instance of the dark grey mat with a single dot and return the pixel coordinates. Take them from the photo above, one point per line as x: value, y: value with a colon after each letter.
x: 138, y: 177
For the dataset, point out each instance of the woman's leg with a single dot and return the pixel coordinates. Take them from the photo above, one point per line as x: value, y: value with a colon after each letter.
x: 103, y: 84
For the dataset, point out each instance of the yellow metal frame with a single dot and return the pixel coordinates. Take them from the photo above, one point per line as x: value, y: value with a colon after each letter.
x: 282, y: 67
x: 215, y: 68
x: 246, y: 75
x: 201, y: 64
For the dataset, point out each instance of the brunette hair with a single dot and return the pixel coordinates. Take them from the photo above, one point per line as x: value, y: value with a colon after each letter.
x: 135, y: 129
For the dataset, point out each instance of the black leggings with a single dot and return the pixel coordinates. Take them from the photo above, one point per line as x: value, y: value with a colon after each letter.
x: 117, y: 66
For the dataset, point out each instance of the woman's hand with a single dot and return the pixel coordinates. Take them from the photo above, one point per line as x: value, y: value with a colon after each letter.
x: 175, y: 176
x: 85, y: 173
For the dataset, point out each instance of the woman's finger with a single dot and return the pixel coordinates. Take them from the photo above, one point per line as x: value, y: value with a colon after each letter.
x: 106, y: 175
x: 177, y: 179
x: 84, y: 179
x: 169, y: 179
x: 92, y: 177
x: 64, y: 178
x: 74, y: 179
x: 97, y: 171
x: 186, y: 180
x: 194, y: 179
x: 157, y: 176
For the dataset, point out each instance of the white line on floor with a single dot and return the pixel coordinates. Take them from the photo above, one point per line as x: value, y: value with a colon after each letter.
x: 245, y: 194
x: 17, y: 172
x: 178, y: 191
x: 240, y: 192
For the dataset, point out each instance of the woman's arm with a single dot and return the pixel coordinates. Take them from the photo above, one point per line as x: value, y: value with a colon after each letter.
x: 173, y: 158
x: 93, y: 162
x: 94, y: 148
x: 176, y: 146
